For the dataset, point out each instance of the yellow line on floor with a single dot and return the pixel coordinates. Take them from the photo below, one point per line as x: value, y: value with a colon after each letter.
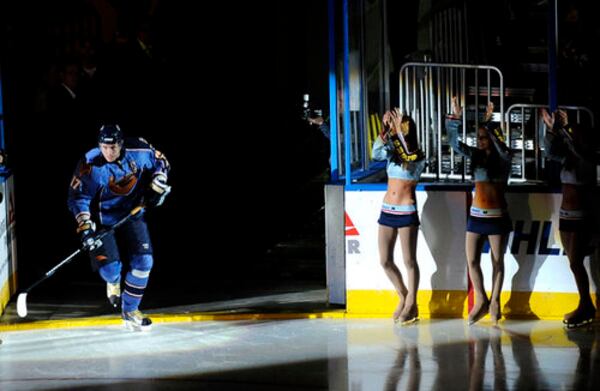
x: 167, y: 318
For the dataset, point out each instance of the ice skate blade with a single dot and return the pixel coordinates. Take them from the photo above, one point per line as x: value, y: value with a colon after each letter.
x: 132, y: 326
x: 566, y: 322
x: 583, y: 323
x: 482, y: 313
x: 408, y: 322
x: 473, y: 321
x: 495, y: 320
x: 114, y: 301
x: 476, y: 319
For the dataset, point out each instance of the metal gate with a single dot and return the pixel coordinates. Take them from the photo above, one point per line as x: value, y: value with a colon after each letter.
x: 426, y: 91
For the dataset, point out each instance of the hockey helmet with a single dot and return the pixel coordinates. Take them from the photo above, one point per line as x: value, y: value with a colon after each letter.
x: 110, y: 134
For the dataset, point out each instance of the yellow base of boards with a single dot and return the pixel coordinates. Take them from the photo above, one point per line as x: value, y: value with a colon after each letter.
x: 361, y: 304
x: 453, y: 304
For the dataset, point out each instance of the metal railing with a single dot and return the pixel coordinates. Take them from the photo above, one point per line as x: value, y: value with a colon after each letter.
x: 525, y: 131
x: 426, y: 91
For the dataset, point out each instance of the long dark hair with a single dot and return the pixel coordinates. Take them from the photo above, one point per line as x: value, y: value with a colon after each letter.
x: 412, y: 141
x: 492, y: 162
x: 409, y: 134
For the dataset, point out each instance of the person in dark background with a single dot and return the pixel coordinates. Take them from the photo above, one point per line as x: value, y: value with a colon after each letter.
x: 320, y: 147
x: 2, y: 160
x: 321, y: 123
x: 130, y: 81
x: 575, y: 55
x: 574, y: 148
x: 63, y: 101
x: 89, y: 84
x: 113, y: 179
x: 66, y: 115
x: 314, y: 117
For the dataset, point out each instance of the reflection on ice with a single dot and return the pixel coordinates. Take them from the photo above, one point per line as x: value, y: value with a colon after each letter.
x: 319, y: 353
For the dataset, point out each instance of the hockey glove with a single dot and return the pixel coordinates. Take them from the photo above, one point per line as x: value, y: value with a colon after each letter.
x: 87, y: 233
x: 158, y: 191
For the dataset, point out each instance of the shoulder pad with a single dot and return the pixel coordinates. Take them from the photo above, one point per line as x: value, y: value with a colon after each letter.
x: 136, y: 143
x: 84, y: 168
x: 94, y: 157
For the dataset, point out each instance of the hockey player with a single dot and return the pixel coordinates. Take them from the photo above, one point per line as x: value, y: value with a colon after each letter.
x: 109, y: 182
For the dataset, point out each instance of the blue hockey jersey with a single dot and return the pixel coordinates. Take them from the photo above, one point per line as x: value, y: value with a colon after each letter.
x: 114, y: 188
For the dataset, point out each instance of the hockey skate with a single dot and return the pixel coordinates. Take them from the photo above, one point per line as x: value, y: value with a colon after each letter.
x: 113, y: 292
x: 580, y: 318
x: 410, y: 316
x: 136, y: 321
x: 495, y: 313
x: 409, y: 321
x: 398, y: 311
x: 477, y: 312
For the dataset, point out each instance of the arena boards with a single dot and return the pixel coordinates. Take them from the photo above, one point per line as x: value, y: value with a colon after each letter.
x: 538, y: 282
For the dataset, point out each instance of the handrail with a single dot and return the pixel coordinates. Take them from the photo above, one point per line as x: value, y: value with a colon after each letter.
x: 522, y: 119
x: 425, y: 93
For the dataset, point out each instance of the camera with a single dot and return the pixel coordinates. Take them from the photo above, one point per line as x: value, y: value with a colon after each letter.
x: 307, y: 111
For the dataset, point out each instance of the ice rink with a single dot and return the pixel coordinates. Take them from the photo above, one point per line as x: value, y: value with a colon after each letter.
x: 304, y: 354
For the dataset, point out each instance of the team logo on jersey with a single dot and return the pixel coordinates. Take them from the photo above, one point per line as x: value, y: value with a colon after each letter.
x: 124, y: 185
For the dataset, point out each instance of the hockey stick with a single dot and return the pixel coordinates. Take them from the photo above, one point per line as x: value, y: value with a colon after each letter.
x: 22, y: 299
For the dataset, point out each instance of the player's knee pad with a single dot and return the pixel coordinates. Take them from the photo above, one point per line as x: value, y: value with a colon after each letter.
x: 142, y: 262
x: 110, y: 272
